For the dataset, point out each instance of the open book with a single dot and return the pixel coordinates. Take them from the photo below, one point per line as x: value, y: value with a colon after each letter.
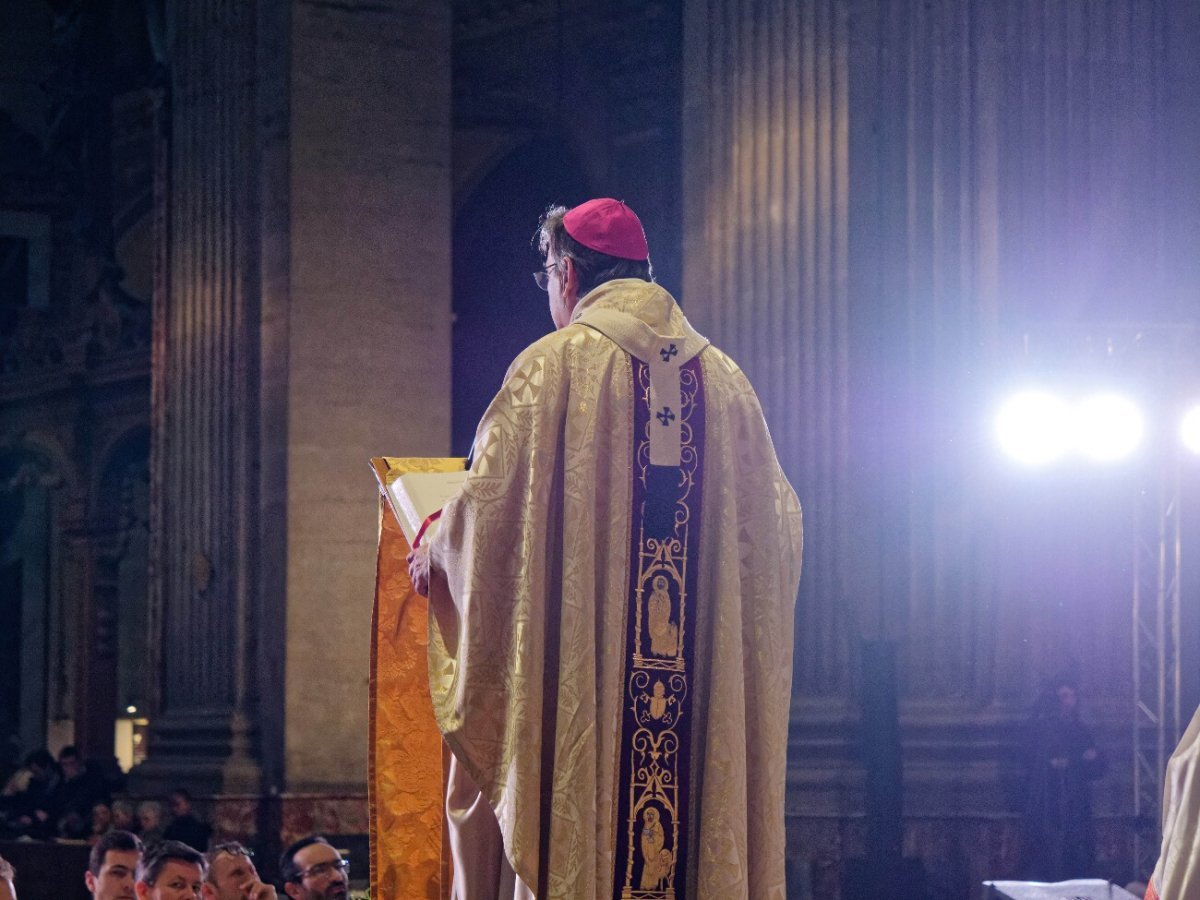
x: 417, y: 487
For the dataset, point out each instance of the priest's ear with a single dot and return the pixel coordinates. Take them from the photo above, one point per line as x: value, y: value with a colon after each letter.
x: 569, y: 274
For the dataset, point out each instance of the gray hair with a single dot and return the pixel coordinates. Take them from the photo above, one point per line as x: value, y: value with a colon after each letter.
x: 594, y: 268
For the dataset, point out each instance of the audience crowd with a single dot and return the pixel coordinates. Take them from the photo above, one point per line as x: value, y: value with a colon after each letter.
x: 68, y: 799
x: 148, y: 851
x: 120, y: 866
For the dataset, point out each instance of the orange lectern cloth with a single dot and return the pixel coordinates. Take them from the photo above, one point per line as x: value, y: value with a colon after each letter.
x: 406, y: 779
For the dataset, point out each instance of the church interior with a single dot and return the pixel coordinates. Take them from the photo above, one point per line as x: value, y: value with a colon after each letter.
x: 248, y: 245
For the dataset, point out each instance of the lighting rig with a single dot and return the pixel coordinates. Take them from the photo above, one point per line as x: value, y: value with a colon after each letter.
x: 1125, y: 397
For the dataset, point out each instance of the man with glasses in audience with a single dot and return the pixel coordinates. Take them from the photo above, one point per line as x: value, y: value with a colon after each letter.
x: 311, y: 869
x: 112, y: 866
x: 232, y: 875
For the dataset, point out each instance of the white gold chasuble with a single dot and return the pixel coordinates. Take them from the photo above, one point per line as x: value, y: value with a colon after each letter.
x: 611, y: 646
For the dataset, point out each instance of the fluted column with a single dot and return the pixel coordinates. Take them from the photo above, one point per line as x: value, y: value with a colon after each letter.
x: 302, y: 325
x: 205, y: 400
x: 766, y: 179
x: 880, y: 200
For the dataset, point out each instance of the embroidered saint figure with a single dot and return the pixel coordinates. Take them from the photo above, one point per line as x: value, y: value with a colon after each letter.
x: 666, y: 859
x: 658, y: 703
x: 653, y: 871
x: 664, y: 634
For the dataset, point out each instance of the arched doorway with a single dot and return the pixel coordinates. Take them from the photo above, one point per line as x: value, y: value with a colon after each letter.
x: 117, y: 671
x: 498, y: 309
x: 27, y: 594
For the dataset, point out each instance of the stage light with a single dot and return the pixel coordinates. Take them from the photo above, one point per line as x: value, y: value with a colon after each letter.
x: 1034, y: 427
x: 1108, y: 427
x: 1190, y: 431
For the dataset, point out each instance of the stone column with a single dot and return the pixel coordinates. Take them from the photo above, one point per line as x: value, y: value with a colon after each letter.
x: 302, y: 326
x: 367, y: 330
x: 766, y: 275
x: 206, y: 406
x: 879, y: 196
x: 766, y: 169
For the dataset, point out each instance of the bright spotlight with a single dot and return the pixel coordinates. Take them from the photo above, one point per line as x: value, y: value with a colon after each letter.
x: 1108, y: 427
x: 1034, y: 427
x: 1190, y: 432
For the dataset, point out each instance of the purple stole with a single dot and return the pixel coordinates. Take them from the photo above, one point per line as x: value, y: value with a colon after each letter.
x: 655, y: 772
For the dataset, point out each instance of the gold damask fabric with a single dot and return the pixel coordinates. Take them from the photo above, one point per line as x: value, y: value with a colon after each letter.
x: 1177, y: 876
x: 527, y: 629
x: 406, y: 777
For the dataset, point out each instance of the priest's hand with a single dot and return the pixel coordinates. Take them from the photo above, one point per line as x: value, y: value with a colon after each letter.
x: 418, y: 569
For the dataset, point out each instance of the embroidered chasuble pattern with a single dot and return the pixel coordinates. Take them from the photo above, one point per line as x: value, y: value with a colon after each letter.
x: 614, y: 677
x: 655, y: 747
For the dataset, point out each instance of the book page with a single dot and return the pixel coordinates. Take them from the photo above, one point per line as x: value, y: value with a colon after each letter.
x: 412, y: 500
x: 417, y: 495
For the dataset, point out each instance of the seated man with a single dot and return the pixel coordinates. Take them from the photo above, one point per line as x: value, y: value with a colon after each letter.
x: 169, y: 871
x: 185, y: 827
x: 102, y: 821
x: 80, y: 789
x: 232, y: 875
x: 150, y: 822
x: 112, y: 865
x: 123, y: 818
x: 311, y: 869
x: 33, y: 808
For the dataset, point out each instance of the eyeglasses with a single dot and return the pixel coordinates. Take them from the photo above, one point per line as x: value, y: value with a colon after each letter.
x: 321, y: 869
x: 542, y: 278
